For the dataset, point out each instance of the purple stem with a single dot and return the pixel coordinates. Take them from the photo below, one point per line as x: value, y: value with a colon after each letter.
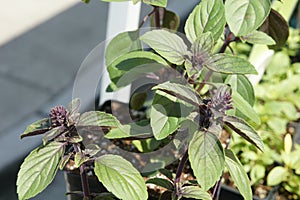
x: 83, y: 176
x: 180, y: 170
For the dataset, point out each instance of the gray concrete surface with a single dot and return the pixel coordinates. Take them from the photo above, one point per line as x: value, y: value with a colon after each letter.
x: 37, y: 71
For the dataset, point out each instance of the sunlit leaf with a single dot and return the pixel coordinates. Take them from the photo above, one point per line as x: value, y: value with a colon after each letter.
x: 245, y: 130
x: 166, y: 114
x: 238, y: 174
x: 258, y: 37
x: 245, y: 16
x: 277, y: 175
x: 36, y: 128
x: 204, y: 43
x: 167, y: 44
x: 120, y: 177
x: 131, y: 66
x: 125, y: 42
x: 135, y: 129
x: 65, y: 159
x: 97, y: 118
x: 244, y: 107
x: 195, y: 192
x: 79, y: 159
x: 229, y: 64
x: 183, y: 92
x: 208, y: 16
x: 53, y: 133
x: 73, y: 109
x: 243, y: 86
x: 38, y: 169
x: 207, y: 158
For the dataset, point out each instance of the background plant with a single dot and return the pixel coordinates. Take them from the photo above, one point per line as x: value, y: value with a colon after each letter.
x: 210, y: 93
x: 279, y: 111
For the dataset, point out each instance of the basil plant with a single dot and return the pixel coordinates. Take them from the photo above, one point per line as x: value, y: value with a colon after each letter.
x: 197, y: 88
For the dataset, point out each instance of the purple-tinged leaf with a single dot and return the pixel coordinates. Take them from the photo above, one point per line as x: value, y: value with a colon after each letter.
x: 37, y: 128
x: 245, y: 130
x: 276, y: 27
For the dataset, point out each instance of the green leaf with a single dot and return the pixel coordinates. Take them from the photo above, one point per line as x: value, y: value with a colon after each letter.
x: 132, y: 66
x: 243, y: 86
x: 183, y: 92
x: 167, y: 44
x: 120, y: 177
x: 276, y: 27
x: 195, y: 192
x: 203, y: 44
x: 238, y: 174
x: 124, y: 42
x: 277, y: 175
x: 38, y: 169
x: 53, y: 133
x: 92, y: 149
x: 73, y: 108
x: 97, y: 118
x: 147, y: 145
x: 208, y: 16
x: 79, y: 159
x: 245, y: 130
x: 279, y: 65
x: 135, y: 129
x: 258, y: 37
x: 135, y: 1
x: 36, y: 128
x: 115, y: 0
x: 207, y: 158
x: 229, y: 64
x: 245, y: 16
x: 161, y: 182
x: 244, y: 107
x: 166, y: 114
x: 65, y: 159
x: 257, y: 173
x: 160, y: 3
x: 137, y: 100
x: 75, y: 139
x: 169, y: 19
